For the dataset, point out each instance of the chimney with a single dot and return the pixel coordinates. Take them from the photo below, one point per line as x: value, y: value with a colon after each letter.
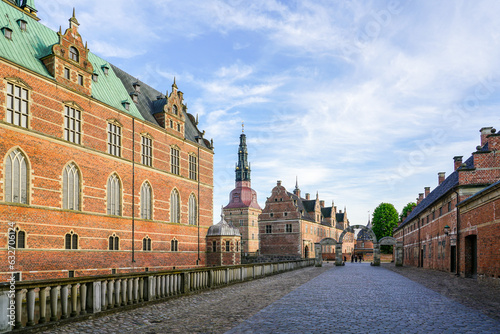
x: 458, y: 162
x: 278, y: 183
x: 322, y: 204
x: 420, y: 198
x: 484, y: 133
x: 441, y: 177
x: 427, y: 191
x: 308, y: 196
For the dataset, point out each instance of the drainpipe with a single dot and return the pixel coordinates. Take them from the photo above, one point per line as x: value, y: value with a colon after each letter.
x: 133, y: 188
x: 420, y: 260
x: 198, y: 140
x: 458, y: 237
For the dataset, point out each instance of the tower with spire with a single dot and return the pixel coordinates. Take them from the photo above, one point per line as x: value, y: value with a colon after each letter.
x: 243, y: 210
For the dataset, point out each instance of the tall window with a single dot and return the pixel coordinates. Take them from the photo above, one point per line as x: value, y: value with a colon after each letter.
x: 214, y: 246
x: 289, y: 228
x: 269, y: 229
x: 114, y: 139
x: 71, y: 188
x: 73, y: 54
x: 114, y: 195
x: 146, y: 201
x: 16, y: 181
x: 114, y: 242
x: 192, y: 210
x: 17, y: 105
x: 174, y: 160
x: 193, y: 167
x: 17, y: 238
x: 72, y: 125
x: 228, y: 246
x: 175, y: 207
x: 174, y: 245
x: 147, y: 151
x: 174, y: 109
x: 146, y: 243
x: 71, y: 240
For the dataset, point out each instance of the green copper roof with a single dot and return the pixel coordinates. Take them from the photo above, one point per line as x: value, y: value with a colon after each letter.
x: 26, y: 48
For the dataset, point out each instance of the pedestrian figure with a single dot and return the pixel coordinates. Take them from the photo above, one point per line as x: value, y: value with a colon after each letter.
x: 355, y: 258
x: 360, y: 258
x: 352, y: 258
x: 345, y: 258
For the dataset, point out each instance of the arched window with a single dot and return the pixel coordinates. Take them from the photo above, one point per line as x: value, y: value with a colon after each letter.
x: 175, y: 207
x: 174, y: 109
x: 16, y: 181
x: 73, y: 54
x: 71, y: 240
x: 174, y: 245
x: 17, y: 238
x: 71, y: 188
x: 146, y: 201
x: 192, y: 210
x: 114, y: 195
x: 114, y: 242
x: 146, y: 243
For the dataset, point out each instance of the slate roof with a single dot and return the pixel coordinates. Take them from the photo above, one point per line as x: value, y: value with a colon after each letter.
x: 309, y: 205
x: 26, y: 48
x: 449, y: 183
x: 473, y: 197
x: 301, y: 206
x: 326, y: 212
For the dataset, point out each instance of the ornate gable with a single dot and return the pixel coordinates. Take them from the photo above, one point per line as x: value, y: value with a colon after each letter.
x: 68, y: 62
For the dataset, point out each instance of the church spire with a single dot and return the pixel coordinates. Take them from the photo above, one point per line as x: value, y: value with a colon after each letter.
x: 242, y: 168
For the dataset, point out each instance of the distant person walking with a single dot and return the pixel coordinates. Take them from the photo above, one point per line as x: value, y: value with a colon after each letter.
x: 360, y: 259
x: 352, y: 258
x: 355, y: 258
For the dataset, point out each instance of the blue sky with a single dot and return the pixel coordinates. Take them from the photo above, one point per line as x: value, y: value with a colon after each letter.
x: 363, y: 101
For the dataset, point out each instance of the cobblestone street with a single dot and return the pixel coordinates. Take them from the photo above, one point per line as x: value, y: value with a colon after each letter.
x: 356, y: 298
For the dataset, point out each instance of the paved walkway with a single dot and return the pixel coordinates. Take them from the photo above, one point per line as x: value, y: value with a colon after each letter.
x: 356, y: 298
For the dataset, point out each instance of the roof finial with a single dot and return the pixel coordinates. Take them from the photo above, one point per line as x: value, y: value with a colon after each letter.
x: 317, y: 194
x: 296, y: 182
x: 242, y: 127
x: 74, y: 12
x: 174, y: 84
x: 222, y: 212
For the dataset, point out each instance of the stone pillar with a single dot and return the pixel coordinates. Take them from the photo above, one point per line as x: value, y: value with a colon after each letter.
x: 8, y: 317
x: 83, y: 299
x: 318, y: 255
x: 31, y: 306
x: 376, y: 254
x: 104, y: 293
x: 42, y: 300
x: 19, y: 307
x: 64, y: 301
x: 54, y: 293
x: 399, y: 254
x: 338, y: 254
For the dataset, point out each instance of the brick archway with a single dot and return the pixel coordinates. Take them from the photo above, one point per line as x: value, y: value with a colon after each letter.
x: 376, y: 245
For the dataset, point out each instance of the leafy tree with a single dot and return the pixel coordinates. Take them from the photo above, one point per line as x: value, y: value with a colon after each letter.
x: 406, y: 210
x: 385, y: 219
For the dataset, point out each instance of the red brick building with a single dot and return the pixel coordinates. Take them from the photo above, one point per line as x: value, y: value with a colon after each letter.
x: 243, y: 210
x: 455, y: 227
x: 100, y: 172
x: 290, y: 225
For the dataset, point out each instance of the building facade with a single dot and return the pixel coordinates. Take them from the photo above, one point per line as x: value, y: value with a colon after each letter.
x: 243, y: 210
x: 455, y: 227
x: 290, y: 225
x: 223, y: 244
x: 100, y: 172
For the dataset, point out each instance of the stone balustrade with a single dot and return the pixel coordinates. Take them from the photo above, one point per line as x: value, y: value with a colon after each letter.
x: 34, y: 304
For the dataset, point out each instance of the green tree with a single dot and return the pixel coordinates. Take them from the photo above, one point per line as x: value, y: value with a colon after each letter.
x: 406, y: 210
x: 385, y: 219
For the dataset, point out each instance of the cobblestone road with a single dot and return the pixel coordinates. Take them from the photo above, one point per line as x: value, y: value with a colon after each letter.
x: 356, y: 298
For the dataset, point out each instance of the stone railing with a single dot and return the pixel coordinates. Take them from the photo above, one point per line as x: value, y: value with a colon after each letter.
x: 37, y: 304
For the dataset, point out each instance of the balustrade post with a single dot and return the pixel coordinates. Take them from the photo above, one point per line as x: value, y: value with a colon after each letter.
x: 130, y: 286
x: 96, y: 296
x: 141, y: 289
x: 83, y: 298
x: 54, y: 293
x: 104, y: 291
x: 19, y: 308
x: 42, y: 301
x: 111, y: 287
x: 74, y: 299
x: 117, y: 292
x: 64, y: 301
x: 31, y: 306
x: 150, y: 295
x: 158, y: 287
x: 136, y: 291
x: 124, y: 292
x: 164, y: 285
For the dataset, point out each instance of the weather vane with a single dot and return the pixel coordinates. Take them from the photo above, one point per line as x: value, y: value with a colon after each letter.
x: 242, y: 127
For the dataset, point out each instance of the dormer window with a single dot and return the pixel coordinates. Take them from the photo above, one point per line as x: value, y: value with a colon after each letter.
x: 126, y: 105
x: 137, y: 87
x: 73, y: 54
x: 7, y: 32
x: 105, y: 69
x: 22, y: 25
x: 174, y: 109
x: 95, y: 77
x: 135, y: 97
